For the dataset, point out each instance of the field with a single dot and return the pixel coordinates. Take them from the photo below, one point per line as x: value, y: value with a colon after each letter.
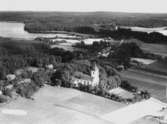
x: 153, y: 83
x: 159, y: 49
x: 135, y: 112
x: 61, y: 106
x: 53, y: 105
x: 159, y: 66
x: 146, y: 121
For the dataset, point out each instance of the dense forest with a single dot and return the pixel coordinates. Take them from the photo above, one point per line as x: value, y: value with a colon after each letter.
x: 18, y: 54
x: 71, y: 21
x: 153, y: 37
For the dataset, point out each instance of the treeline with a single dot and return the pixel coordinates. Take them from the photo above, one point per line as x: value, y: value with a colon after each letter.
x: 93, y: 48
x: 153, y: 37
x: 46, y: 21
x: 121, y: 33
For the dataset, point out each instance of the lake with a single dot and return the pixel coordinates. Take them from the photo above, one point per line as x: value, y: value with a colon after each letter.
x: 16, y: 30
x: 162, y: 30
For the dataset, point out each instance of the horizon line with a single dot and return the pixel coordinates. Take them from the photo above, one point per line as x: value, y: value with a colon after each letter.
x: 61, y: 11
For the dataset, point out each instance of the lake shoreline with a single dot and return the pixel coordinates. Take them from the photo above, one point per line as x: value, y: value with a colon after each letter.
x: 162, y: 30
x: 63, y: 32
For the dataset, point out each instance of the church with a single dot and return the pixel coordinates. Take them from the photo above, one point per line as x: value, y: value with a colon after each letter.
x: 87, y: 80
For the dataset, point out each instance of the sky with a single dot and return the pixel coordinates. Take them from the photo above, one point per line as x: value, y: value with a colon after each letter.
x: 144, y: 6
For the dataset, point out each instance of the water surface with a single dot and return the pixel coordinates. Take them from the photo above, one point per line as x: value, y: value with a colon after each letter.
x: 162, y: 30
x: 16, y: 30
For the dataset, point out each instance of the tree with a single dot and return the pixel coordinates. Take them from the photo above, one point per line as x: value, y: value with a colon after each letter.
x: 126, y: 85
x: 63, y: 75
x: 3, y: 72
x: 125, y: 51
x: 27, y: 90
x: 41, y: 77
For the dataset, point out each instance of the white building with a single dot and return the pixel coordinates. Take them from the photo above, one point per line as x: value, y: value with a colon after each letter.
x: 11, y: 77
x: 95, y: 76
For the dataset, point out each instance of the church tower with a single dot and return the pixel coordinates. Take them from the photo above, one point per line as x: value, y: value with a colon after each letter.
x: 95, y: 75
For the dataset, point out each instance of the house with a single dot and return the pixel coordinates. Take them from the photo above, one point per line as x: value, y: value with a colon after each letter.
x: 81, y: 78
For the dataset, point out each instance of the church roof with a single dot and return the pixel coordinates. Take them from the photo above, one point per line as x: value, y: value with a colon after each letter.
x: 80, y: 75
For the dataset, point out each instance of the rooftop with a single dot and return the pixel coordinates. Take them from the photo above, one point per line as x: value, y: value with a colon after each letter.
x: 80, y: 75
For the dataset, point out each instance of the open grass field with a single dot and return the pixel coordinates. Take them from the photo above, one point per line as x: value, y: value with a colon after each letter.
x: 146, y: 76
x: 155, y: 84
x: 159, y: 49
x: 159, y: 66
x: 59, y: 106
